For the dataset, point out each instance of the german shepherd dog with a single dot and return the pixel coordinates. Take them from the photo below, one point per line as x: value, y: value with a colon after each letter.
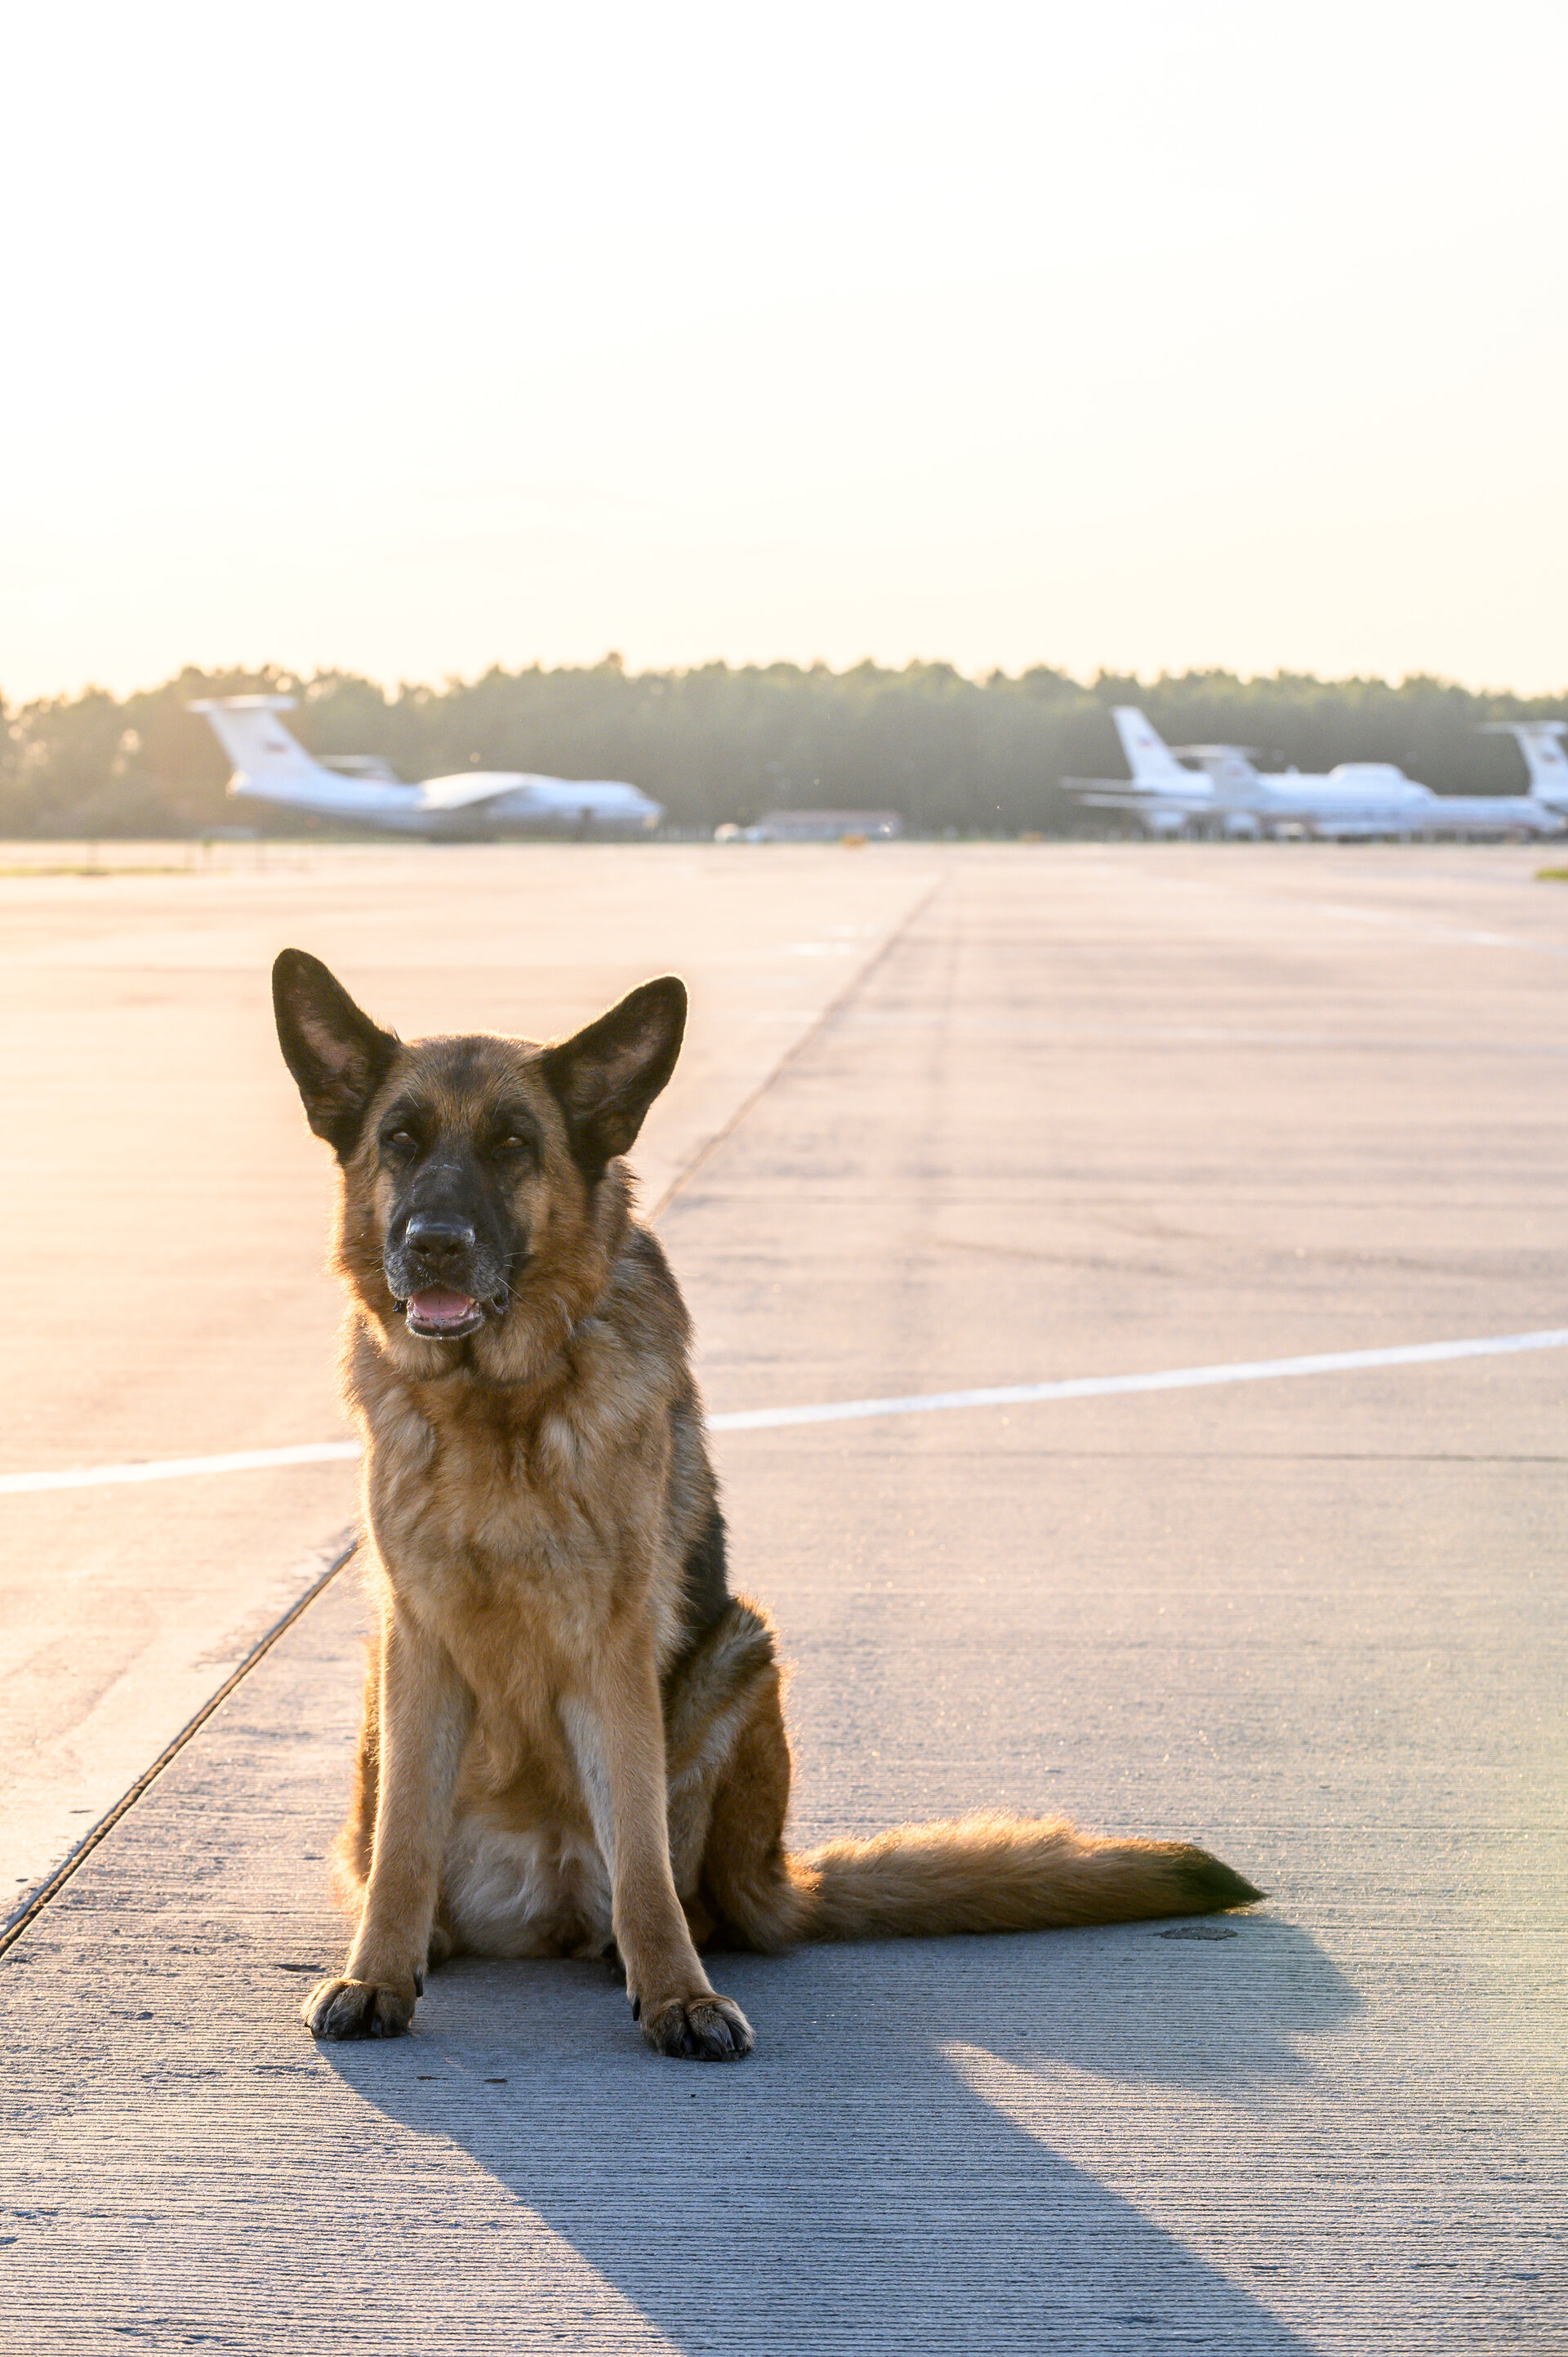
x: 573, y: 1739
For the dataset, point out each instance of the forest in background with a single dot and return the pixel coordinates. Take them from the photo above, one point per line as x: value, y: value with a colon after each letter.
x: 715, y: 744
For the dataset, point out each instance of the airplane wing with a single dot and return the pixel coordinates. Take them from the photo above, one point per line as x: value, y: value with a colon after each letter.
x: 469, y: 789
x: 1100, y: 794
x: 528, y: 795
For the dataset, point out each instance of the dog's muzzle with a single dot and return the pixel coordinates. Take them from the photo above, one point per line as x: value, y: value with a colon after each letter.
x: 439, y: 1281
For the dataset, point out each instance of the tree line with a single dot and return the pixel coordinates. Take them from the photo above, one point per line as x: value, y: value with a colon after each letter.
x: 714, y: 743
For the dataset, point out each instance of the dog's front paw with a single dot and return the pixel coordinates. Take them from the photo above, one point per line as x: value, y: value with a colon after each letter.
x: 704, y: 2029
x: 357, y: 2009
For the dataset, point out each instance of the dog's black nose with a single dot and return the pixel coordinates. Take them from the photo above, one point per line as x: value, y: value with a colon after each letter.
x: 436, y: 1240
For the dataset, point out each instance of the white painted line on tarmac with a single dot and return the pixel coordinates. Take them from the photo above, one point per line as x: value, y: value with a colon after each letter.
x: 772, y: 1419
x: 176, y: 1469
x: 1169, y: 1379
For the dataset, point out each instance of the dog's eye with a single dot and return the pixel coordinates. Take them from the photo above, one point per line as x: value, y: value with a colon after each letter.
x: 399, y: 1141
x: 513, y: 1142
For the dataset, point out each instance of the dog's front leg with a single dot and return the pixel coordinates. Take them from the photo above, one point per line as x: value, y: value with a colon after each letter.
x: 617, y: 1735
x: 425, y: 1712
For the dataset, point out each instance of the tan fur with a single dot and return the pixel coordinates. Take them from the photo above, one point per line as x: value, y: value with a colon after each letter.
x: 992, y: 1873
x: 552, y: 1760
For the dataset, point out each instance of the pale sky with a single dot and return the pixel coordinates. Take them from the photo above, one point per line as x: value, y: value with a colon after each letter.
x: 411, y: 340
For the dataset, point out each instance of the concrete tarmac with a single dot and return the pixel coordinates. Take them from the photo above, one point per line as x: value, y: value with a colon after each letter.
x: 1092, y: 1112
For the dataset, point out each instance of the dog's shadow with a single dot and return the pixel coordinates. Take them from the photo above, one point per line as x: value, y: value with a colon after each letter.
x: 851, y: 2185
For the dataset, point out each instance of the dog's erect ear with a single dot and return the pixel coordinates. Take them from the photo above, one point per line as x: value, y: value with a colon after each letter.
x: 339, y: 1057
x: 606, y: 1077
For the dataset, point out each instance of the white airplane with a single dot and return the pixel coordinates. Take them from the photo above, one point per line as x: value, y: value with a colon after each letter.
x: 1355, y: 800
x: 271, y: 766
x: 1540, y: 742
x: 1359, y: 800
x: 1166, y: 797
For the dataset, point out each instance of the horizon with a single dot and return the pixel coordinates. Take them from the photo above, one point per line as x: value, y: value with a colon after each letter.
x: 1101, y: 682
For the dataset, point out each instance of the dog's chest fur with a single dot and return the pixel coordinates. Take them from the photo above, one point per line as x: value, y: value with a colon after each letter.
x: 523, y: 1531
x: 530, y: 1520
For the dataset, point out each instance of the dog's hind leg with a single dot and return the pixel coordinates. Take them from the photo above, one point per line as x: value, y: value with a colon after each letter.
x: 746, y: 1878
x: 707, y: 1699
x: 728, y: 1766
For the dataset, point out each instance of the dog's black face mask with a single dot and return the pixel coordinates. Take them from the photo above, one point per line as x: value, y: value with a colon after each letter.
x: 456, y: 1234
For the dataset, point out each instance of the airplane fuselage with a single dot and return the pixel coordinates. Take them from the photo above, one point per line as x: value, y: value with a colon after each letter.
x: 470, y: 802
x: 1366, y: 801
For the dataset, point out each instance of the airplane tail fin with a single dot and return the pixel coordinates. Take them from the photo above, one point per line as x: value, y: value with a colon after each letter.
x: 1149, y: 757
x: 990, y: 1873
x: 268, y: 760
x: 1540, y: 742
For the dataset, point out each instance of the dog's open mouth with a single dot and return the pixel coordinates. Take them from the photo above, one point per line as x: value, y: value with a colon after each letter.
x: 437, y: 1311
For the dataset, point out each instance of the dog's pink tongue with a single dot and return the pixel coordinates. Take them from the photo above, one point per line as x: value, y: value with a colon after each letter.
x: 439, y: 1306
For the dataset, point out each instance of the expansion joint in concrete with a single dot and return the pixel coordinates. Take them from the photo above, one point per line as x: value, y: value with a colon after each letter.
x: 793, y: 1053
x: 343, y: 1548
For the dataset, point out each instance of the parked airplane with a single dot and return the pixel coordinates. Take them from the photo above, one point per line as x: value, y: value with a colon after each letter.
x: 1355, y: 800
x: 271, y: 766
x: 1360, y: 800
x: 1540, y: 742
x: 1165, y: 796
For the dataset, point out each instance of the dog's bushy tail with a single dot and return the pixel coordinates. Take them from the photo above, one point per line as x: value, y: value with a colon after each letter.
x: 992, y: 1873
